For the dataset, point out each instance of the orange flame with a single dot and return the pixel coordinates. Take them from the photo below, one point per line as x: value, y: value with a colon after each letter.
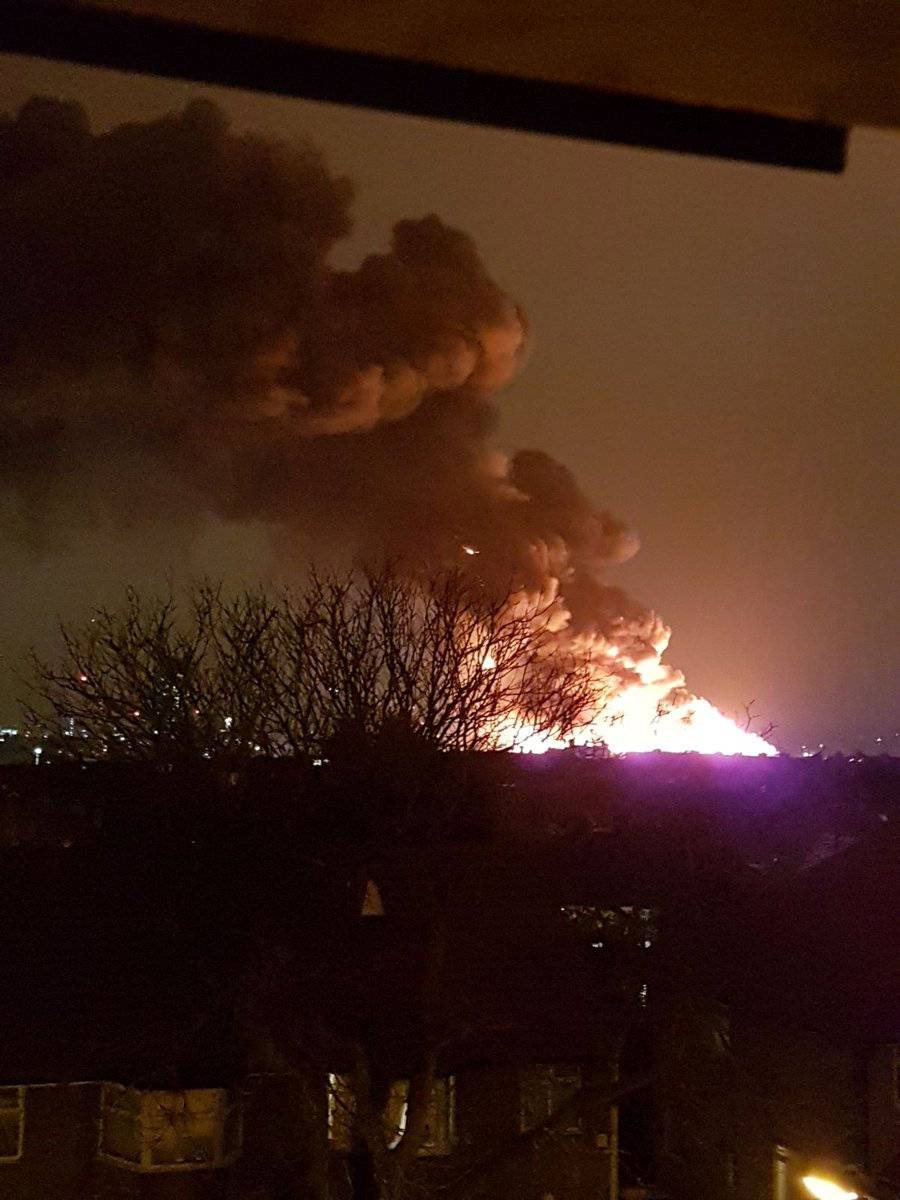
x: 631, y: 725
x: 642, y: 706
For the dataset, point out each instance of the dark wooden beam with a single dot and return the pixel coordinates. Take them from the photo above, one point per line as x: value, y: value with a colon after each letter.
x: 150, y: 45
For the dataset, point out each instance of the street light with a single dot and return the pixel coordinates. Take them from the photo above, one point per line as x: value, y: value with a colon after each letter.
x: 827, y: 1189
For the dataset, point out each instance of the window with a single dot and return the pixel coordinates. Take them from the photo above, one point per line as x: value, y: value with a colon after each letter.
x: 188, y: 1130
x: 626, y: 926
x: 372, y: 905
x: 544, y: 1090
x: 441, y: 1132
x: 341, y: 1111
x: 12, y: 1123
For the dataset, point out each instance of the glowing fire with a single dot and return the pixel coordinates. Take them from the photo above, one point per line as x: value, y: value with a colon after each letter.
x: 656, y: 712
x: 631, y: 724
x: 693, y: 726
x: 642, y: 703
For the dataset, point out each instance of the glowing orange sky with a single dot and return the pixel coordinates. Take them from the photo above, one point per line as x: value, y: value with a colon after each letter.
x: 715, y: 354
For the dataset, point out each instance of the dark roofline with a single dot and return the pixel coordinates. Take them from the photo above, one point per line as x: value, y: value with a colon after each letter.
x: 149, y: 45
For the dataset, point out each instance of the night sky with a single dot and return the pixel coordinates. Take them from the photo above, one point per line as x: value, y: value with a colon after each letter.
x: 714, y: 353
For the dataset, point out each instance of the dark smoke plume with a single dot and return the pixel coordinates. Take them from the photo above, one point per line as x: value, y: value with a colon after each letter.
x: 175, y: 345
x: 173, y: 341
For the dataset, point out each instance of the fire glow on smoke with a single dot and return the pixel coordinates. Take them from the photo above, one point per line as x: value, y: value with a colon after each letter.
x: 170, y: 296
x: 643, y: 717
x: 642, y: 702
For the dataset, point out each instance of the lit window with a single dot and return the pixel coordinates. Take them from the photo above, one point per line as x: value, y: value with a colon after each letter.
x: 440, y: 1133
x: 395, y: 1112
x: 441, y: 1122
x: 606, y: 927
x: 341, y: 1111
x: 188, y: 1130
x: 544, y: 1090
x: 372, y: 905
x: 12, y: 1123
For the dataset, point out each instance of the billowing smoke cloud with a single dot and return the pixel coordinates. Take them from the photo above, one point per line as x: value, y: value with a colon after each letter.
x: 174, y: 344
x: 174, y: 338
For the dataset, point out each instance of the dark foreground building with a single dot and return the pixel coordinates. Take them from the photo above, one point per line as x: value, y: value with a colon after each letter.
x: 657, y: 977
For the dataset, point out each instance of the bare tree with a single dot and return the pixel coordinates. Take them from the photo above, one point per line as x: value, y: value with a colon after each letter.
x: 347, y: 668
x: 751, y: 718
x: 212, y: 677
x: 162, y: 681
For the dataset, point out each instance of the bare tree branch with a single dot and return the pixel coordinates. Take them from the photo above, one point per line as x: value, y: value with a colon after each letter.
x: 211, y: 677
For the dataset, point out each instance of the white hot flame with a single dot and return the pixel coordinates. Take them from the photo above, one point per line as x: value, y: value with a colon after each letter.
x: 642, y: 705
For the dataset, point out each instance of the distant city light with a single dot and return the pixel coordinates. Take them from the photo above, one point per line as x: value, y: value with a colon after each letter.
x: 471, y: 550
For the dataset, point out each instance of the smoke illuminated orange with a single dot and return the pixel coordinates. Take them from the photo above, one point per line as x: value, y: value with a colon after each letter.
x: 642, y: 703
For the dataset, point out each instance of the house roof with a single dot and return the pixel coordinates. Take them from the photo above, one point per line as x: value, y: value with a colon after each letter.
x: 823, y: 943
x: 120, y: 928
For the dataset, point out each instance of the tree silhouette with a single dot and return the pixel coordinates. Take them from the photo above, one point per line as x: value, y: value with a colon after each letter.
x: 207, y: 676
